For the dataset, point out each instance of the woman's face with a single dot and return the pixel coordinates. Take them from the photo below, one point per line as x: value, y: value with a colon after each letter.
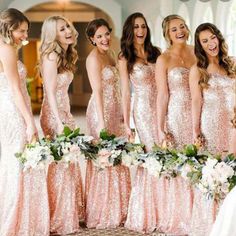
x: 140, y: 31
x: 65, y: 34
x: 209, y: 43
x: 178, y: 32
x: 102, y: 38
x: 20, y: 34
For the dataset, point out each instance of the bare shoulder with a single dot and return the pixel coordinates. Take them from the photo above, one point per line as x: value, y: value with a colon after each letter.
x: 194, y: 72
x: 52, y: 56
x: 92, y: 60
x: 163, y: 59
x: 6, y: 50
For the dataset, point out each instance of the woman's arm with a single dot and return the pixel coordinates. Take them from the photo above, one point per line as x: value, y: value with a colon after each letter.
x: 95, y: 78
x: 125, y: 91
x: 49, y: 74
x: 162, y: 96
x: 9, y: 61
x: 196, y: 100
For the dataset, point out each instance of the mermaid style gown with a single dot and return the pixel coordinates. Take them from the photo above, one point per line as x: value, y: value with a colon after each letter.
x: 24, y: 198
x: 217, y: 112
x: 143, y: 212
x: 108, y: 190
x: 177, y: 216
x: 64, y: 182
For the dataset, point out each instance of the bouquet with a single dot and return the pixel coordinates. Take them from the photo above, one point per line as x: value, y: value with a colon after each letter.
x: 36, y: 155
x: 112, y: 151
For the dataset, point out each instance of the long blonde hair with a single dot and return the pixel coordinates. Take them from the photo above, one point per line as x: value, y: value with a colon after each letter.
x: 49, y: 43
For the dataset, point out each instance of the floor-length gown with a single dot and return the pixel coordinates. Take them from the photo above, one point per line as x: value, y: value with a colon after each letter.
x: 217, y: 112
x: 225, y: 221
x: 64, y: 182
x: 23, y: 195
x: 143, y: 213
x: 175, y: 213
x: 108, y: 190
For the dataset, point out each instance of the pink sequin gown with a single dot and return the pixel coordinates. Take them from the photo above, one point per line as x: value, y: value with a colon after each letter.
x: 143, y: 206
x: 176, y: 209
x: 23, y: 195
x: 64, y: 182
x: 217, y: 111
x: 107, y: 191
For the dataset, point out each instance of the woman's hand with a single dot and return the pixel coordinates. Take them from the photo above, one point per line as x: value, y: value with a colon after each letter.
x: 31, y: 132
x: 60, y: 128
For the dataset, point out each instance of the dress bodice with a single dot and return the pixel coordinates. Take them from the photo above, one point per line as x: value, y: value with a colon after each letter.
x: 143, y: 77
x: 178, y: 82
x: 5, y: 88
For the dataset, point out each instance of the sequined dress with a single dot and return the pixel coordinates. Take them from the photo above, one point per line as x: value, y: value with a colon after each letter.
x: 24, y: 198
x: 108, y: 190
x: 175, y: 210
x: 217, y: 112
x: 143, y: 206
x: 64, y: 182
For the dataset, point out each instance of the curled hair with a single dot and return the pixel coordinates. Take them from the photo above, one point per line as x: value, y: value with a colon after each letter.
x: 49, y: 43
x: 166, y: 28
x: 10, y: 20
x: 202, y: 60
x: 93, y: 26
x: 127, y: 43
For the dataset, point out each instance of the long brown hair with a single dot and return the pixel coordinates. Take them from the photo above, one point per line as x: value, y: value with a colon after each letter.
x: 127, y: 42
x: 66, y: 59
x: 202, y: 60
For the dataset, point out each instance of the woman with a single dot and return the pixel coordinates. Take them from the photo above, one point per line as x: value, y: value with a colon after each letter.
x: 137, y: 65
x: 24, y: 202
x: 107, y: 191
x: 212, y: 89
x: 57, y: 64
x: 174, y: 118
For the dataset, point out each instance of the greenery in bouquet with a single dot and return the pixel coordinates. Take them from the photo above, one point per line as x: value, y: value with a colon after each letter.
x: 36, y: 155
x: 68, y: 146
x: 114, y: 151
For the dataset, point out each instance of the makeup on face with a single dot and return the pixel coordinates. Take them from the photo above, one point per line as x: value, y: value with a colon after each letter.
x: 140, y: 30
x: 209, y: 43
x: 178, y: 31
x: 102, y: 38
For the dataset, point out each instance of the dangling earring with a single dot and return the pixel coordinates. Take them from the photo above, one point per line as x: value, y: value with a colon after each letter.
x: 94, y: 44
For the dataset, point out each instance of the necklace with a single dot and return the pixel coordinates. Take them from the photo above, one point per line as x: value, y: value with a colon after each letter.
x: 181, y: 60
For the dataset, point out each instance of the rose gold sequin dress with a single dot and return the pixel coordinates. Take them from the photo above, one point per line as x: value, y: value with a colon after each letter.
x: 23, y: 195
x: 64, y: 182
x: 108, y: 190
x: 143, y: 212
x: 217, y: 111
x: 176, y: 209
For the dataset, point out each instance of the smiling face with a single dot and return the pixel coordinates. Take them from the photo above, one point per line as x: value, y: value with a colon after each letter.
x: 102, y: 38
x: 140, y: 31
x: 65, y: 34
x: 20, y: 34
x: 209, y: 43
x: 178, y: 32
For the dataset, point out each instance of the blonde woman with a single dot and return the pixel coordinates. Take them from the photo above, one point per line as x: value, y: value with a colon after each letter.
x: 23, y: 195
x: 57, y: 64
x: 174, y: 117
